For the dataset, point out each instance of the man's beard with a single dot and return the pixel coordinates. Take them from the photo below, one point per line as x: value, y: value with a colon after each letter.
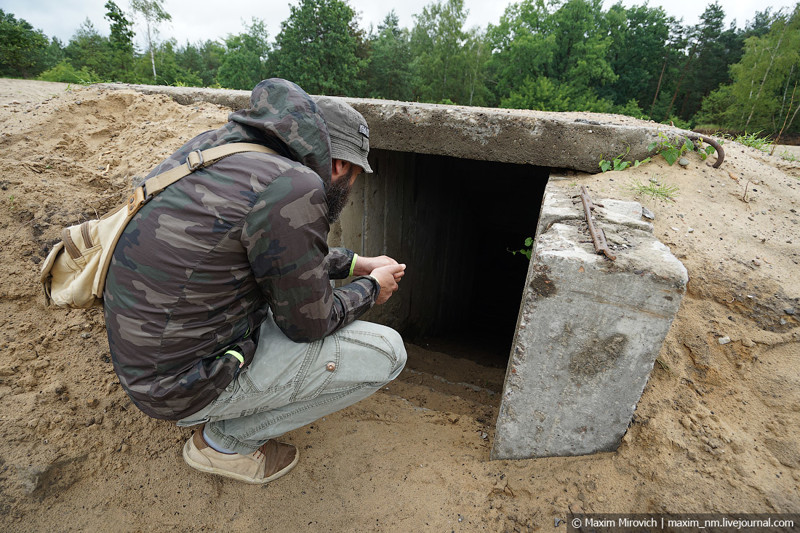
x: 337, y: 198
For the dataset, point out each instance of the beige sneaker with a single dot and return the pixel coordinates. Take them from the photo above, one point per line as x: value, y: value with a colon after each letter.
x: 266, y: 464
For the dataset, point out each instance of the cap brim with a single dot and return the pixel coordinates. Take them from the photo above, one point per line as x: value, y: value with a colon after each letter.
x: 345, y: 153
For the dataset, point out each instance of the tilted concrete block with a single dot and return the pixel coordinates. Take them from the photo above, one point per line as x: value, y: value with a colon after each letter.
x: 588, y: 331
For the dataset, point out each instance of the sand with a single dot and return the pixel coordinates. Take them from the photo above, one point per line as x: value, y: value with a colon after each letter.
x: 715, y: 431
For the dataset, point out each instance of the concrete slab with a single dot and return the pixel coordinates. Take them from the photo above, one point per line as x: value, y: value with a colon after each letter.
x: 588, y: 332
x: 547, y: 139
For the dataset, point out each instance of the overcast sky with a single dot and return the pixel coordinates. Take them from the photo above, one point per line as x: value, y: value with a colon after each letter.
x: 199, y: 20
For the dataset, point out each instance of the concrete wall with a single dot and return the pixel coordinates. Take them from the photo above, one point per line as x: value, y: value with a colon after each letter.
x: 588, y: 332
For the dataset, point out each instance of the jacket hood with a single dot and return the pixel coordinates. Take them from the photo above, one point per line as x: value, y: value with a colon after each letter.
x: 282, y: 116
x: 285, y: 118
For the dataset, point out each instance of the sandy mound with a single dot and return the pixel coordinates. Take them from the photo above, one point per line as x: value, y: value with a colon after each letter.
x: 716, y: 429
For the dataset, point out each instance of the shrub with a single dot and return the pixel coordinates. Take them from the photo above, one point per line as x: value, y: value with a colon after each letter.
x: 64, y: 72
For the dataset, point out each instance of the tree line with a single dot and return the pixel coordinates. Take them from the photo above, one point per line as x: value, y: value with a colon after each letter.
x: 551, y: 55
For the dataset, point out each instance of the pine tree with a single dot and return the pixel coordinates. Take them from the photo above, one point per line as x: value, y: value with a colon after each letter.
x: 121, y: 42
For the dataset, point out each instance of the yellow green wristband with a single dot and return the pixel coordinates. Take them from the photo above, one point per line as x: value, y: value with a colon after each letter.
x: 353, y: 264
x: 236, y: 355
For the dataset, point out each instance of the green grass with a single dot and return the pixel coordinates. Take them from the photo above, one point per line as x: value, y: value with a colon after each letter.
x: 788, y: 156
x: 654, y: 189
x: 754, y: 140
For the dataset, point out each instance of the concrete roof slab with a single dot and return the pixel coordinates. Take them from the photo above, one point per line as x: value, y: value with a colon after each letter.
x: 548, y: 139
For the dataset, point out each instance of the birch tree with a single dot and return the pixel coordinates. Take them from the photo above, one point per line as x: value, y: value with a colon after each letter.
x: 153, y: 13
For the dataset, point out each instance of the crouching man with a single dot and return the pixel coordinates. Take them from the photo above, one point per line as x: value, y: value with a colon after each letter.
x: 218, y: 302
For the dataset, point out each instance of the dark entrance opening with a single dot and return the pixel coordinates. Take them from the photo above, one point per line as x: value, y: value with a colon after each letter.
x: 459, y: 221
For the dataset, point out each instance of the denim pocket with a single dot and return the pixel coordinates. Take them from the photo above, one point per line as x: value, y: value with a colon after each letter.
x: 318, y: 369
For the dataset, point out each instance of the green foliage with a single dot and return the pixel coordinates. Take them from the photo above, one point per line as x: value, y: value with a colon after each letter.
x: 22, y: 49
x: 654, y: 189
x: 170, y: 70
x: 203, y: 60
x: 527, y: 250
x: 715, y: 49
x: 754, y: 140
x: 554, y: 55
x: 243, y: 64
x: 388, y: 72
x: 53, y: 54
x: 64, y: 72
x: 631, y: 108
x: 670, y: 152
x: 762, y: 95
x: 318, y: 48
x: 640, y: 38
x: 476, y: 60
x: 786, y: 155
x: 121, y: 50
x: 618, y: 163
x: 673, y: 149
x: 716, y: 107
x: 153, y: 13
x: 449, y: 63
x: 545, y: 94
x: 90, y: 51
x: 552, y: 59
x: 678, y: 122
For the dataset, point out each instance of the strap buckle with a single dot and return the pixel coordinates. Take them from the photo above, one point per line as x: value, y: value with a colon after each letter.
x: 136, y: 200
x: 195, y: 160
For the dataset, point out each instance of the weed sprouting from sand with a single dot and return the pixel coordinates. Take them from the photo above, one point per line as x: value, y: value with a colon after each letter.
x: 754, y: 140
x: 618, y: 162
x: 654, y: 190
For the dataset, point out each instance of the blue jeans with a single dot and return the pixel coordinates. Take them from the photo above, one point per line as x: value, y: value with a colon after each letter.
x: 290, y: 384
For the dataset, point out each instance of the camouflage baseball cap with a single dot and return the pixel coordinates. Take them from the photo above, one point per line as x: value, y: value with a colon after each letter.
x: 348, y: 130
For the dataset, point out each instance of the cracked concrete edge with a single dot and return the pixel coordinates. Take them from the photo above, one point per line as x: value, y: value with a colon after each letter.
x: 558, y: 140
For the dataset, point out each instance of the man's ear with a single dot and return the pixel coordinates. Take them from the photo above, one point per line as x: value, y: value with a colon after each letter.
x: 340, y: 168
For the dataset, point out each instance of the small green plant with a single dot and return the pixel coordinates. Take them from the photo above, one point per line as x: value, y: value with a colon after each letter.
x: 618, y: 164
x: 11, y: 202
x: 654, y: 189
x: 788, y: 156
x: 525, y: 251
x: 672, y: 151
x: 754, y: 140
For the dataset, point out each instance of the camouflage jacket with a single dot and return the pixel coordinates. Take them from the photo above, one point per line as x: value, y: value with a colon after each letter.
x: 200, y: 264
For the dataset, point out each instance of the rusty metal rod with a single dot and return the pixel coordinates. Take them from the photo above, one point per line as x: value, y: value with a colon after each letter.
x: 598, y: 237
x: 712, y: 142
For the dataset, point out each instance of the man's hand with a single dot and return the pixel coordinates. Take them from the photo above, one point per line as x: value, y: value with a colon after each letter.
x: 388, y: 276
x: 365, y: 265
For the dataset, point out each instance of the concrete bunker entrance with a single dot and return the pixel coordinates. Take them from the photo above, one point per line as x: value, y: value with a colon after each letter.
x: 455, y: 222
x: 454, y: 189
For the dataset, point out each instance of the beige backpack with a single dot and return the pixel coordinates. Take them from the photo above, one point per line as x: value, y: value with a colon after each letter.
x: 74, y: 272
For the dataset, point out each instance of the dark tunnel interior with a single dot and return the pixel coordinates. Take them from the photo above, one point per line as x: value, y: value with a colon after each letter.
x: 461, y: 219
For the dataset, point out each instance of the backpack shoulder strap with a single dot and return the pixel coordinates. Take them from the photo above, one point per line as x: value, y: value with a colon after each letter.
x: 195, y: 160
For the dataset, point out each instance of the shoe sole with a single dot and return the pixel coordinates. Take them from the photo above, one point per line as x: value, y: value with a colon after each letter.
x: 239, y: 477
